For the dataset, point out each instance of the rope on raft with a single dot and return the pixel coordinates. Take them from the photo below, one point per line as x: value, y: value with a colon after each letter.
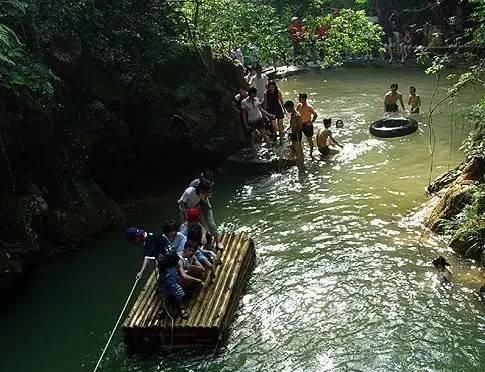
x: 116, y: 325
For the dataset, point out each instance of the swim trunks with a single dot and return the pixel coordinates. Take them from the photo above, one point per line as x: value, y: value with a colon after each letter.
x: 392, y: 107
x: 295, y: 136
x: 168, y: 283
x: 256, y: 125
x: 307, y: 129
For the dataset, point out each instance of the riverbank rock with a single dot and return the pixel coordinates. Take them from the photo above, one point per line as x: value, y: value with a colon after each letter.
x: 452, y: 202
x: 263, y: 160
x: 63, y: 168
x: 452, y: 192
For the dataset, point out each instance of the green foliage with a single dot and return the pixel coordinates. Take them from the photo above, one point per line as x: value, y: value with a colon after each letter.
x: 473, y: 76
x: 21, y: 74
x: 317, y: 7
x: 475, y: 142
x: 350, y: 33
x: 227, y: 24
x: 129, y: 40
x: 469, y: 226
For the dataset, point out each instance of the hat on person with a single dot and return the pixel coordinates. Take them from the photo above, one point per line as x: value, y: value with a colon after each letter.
x: 193, y: 214
x: 294, y: 19
x: 133, y: 233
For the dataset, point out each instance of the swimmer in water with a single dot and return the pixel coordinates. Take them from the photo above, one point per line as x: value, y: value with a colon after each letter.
x: 481, y: 293
x: 444, y: 273
x: 325, y: 138
x: 414, y: 101
x: 391, y: 98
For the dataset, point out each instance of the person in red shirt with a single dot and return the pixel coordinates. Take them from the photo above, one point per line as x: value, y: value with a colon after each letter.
x: 296, y: 33
x: 321, y: 31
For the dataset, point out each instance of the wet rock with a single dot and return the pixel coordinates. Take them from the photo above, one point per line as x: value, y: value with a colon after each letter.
x: 454, y: 199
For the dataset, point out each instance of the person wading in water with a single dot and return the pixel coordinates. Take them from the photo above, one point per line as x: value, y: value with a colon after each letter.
x: 325, y: 138
x: 391, y: 98
x: 273, y: 103
x: 308, y: 117
x: 295, y: 135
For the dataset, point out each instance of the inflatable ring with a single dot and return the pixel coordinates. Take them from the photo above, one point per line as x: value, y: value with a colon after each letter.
x: 393, y: 127
x: 339, y: 124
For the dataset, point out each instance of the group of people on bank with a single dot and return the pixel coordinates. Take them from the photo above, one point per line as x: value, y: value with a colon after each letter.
x: 183, y: 254
x: 262, y: 110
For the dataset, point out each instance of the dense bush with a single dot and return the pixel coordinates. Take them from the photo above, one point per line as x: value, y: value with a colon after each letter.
x: 227, y: 24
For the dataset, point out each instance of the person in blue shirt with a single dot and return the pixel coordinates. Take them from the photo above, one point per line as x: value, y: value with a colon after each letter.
x: 176, y: 238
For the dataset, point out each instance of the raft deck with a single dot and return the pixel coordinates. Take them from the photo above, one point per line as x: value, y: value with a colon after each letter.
x: 210, y: 310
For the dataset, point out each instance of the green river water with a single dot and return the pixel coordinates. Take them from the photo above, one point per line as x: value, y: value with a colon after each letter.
x: 343, y: 281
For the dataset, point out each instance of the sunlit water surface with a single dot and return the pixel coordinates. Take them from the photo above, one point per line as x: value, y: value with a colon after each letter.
x: 343, y: 278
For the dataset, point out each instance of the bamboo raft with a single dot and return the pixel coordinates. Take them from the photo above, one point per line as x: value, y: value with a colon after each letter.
x: 210, y: 310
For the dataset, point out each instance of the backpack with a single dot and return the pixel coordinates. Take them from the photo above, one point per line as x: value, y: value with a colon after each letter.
x: 167, y: 256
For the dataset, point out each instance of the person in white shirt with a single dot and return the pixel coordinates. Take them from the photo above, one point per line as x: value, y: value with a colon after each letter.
x: 254, y: 116
x: 192, y: 196
x: 259, y: 81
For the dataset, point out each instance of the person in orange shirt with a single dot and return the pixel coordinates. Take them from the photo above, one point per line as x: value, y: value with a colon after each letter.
x: 308, y: 117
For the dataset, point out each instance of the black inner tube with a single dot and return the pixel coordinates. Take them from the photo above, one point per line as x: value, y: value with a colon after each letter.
x: 393, y: 127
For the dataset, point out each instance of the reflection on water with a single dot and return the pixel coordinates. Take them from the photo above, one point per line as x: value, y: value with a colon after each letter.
x: 344, y: 279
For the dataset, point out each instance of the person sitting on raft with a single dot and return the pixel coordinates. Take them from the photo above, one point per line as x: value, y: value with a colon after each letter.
x: 295, y: 134
x: 444, y: 273
x: 189, y: 268
x: 176, y: 238
x: 192, y: 197
x: 391, y: 98
x: 195, y: 232
x: 205, y: 208
x: 308, y: 117
x: 325, y: 138
x: 414, y: 101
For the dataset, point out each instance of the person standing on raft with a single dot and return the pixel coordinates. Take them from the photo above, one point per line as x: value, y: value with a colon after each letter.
x: 205, y: 208
x: 308, y: 117
x: 391, y: 98
x: 295, y: 135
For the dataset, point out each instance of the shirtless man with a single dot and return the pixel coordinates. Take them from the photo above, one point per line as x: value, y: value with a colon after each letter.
x: 325, y: 138
x: 296, y: 126
x: 414, y: 100
x: 391, y: 98
x: 308, y: 117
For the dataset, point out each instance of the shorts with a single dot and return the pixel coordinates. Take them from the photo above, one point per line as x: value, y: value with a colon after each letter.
x: 324, y: 151
x: 307, y: 130
x: 295, y: 136
x: 201, y: 257
x: 256, y: 125
x: 392, y: 107
x: 415, y: 111
x: 168, y: 284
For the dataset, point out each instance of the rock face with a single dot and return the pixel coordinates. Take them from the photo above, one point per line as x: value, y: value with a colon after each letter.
x: 452, y: 202
x: 455, y: 191
x: 61, y: 169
